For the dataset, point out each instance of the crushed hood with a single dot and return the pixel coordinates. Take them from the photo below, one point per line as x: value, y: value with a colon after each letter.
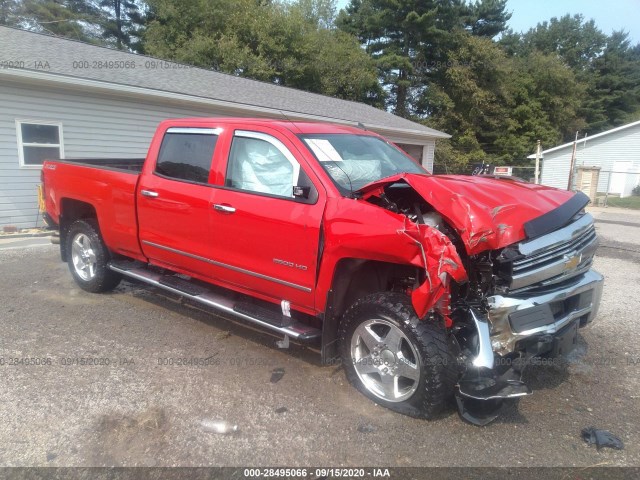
x: 487, y: 213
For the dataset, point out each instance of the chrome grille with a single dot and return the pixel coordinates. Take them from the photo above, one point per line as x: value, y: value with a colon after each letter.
x: 555, y: 257
x: 535, y: 261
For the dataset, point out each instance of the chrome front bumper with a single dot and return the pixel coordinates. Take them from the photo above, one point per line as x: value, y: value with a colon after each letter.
x: 513, y: 319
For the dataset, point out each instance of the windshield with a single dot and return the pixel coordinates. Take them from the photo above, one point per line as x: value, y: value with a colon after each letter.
x: 354, y: 161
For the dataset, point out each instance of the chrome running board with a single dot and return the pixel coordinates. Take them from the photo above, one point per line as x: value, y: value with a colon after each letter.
x: 258, y: 315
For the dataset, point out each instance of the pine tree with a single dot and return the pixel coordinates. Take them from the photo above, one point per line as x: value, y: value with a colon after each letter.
x: 410, y: 39
x: 10, y: 13
x: 122, y: 23
x: 75, y: 19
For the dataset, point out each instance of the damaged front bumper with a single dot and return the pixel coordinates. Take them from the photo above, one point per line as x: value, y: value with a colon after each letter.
x: 517, y: 321
x: 520, y: 328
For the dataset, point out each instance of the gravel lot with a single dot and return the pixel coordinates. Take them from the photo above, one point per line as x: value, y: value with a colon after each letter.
x: 136, y: 409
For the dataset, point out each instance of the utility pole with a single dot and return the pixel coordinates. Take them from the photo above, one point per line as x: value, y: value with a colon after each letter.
x: 536, y: 174
x: 573, y: 162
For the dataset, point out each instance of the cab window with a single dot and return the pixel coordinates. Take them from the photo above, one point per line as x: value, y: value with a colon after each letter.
x: 186, y: 154
x: 260, y: 163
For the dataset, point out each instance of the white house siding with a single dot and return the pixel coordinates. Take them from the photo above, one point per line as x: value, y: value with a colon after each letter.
x: 423, y: 154
x: 91, y: 126
x: 603, y: 152
x: 415, y: 151
x: 428, y: 155
x: 555, y: 168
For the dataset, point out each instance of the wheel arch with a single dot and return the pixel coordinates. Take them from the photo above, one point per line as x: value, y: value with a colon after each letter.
x: 355, y: 278
x: 71, y: 210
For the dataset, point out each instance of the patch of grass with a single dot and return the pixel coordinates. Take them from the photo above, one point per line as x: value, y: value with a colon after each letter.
x: 627, y: 202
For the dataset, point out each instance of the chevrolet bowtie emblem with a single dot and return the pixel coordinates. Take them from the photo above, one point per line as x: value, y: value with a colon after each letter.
x: 572, y: 260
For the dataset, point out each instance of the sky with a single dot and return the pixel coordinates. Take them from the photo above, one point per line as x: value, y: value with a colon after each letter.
x: 609, y: 15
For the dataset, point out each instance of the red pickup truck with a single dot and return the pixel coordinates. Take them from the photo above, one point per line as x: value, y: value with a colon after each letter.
x: 424, y: 287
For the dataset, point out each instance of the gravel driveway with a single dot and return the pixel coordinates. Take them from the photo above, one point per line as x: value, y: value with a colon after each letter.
x: 127, y: 378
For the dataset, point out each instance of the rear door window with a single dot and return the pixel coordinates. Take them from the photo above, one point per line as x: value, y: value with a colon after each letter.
x: 186, y: 154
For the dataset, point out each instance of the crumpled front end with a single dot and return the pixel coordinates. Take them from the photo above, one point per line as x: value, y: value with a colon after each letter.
x: 486, y: 213
x: 530, y: 323
x: 507, y: 264
x: 361, y: 230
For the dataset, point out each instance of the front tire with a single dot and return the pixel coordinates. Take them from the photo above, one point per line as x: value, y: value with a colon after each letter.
x: 396, y: 360
x: 88, y: 258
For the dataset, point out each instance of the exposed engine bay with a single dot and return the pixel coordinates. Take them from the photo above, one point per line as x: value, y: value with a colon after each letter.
x: 482, y: 280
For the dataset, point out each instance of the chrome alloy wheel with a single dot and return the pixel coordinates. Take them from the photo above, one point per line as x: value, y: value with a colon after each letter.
x: 83, y: 257
x: 385, y: 360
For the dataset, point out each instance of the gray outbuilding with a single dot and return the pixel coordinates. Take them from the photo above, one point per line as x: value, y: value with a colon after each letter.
x: 605, y: 163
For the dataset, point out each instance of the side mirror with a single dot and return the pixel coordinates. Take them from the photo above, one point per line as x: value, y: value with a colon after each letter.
x: 301, y: 192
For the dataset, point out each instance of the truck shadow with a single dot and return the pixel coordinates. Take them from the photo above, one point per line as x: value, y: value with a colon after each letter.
x: 543, y: 374
x: 222, y: 324
x: 551, y: 373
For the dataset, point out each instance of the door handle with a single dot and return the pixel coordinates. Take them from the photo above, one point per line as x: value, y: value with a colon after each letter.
x: 148, y: 193
x: 219, y: 207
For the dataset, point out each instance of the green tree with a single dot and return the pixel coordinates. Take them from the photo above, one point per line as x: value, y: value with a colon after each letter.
x: 66, y: 18
x: 469, y: 100
x: 286, y: 44
x: 319, y: 12
x: 607, y: 67
x: 122, y: 23
x: 10, y: 13
x: 488, y: 18
x: 544, y: 103
x: 410, y: 39
x: 393, y: 33
x: 357, y: 79
x: 496, y: 107
x: 576, y: 41
x: 613, y: 98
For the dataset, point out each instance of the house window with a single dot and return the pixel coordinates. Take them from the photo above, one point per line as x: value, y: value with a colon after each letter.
x: 39, y: 141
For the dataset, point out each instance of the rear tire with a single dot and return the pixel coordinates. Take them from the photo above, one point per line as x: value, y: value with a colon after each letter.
x: 396, y: 360
x: 88, y: 258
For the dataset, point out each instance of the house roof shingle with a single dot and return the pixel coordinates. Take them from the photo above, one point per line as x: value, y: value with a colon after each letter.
x: 69, y: 58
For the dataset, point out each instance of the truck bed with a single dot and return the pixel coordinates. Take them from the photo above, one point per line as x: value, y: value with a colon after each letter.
x: 109, y: 185
x: 127, y: 164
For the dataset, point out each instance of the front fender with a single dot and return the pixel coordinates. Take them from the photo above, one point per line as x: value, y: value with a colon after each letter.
x: 441, y: 261
x: 358, y: 229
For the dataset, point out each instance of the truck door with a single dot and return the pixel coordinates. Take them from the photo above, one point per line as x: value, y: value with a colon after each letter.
x: 174, y: 201
x: 266, y: 220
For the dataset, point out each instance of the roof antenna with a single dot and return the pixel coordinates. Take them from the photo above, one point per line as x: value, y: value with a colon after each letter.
x: 361, y: 126
x: 285, y: 117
